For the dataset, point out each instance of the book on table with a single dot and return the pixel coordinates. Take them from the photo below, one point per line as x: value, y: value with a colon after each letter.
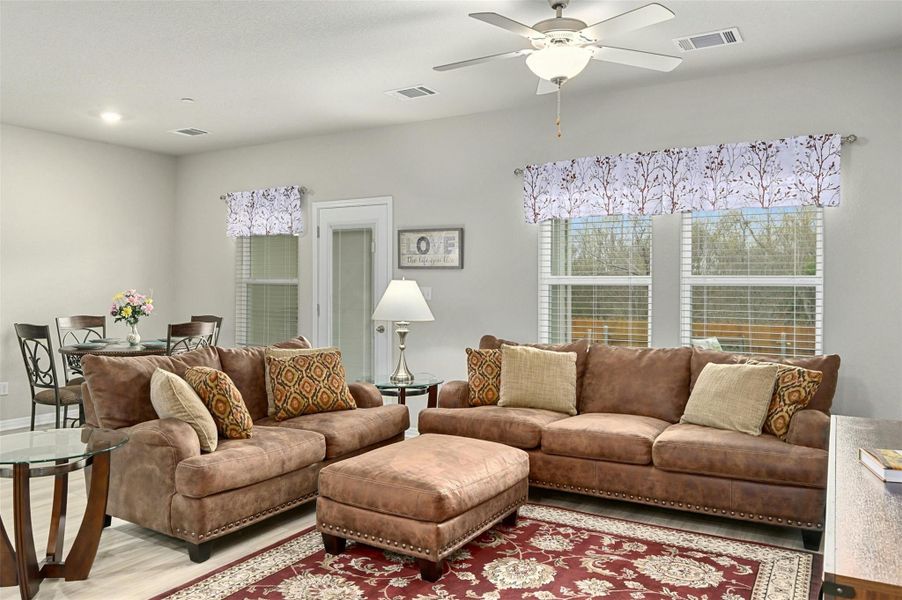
x: 882, y: 462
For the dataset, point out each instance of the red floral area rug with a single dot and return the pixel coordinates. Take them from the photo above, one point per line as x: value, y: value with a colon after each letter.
x: 551, y: 554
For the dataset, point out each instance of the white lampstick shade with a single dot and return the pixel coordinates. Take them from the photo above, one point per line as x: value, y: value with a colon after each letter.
x: 402, y: 301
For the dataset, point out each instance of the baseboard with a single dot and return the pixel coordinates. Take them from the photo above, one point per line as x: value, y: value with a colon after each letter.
x: 25, y: 422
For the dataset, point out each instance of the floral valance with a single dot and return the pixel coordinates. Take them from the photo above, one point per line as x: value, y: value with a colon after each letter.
x: 793, y: 171
x: 270, y: 211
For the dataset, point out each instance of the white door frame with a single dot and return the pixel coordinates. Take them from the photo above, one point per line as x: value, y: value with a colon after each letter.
x: 382, y: 273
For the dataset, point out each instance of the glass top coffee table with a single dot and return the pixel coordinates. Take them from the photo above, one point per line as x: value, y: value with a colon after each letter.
x: 423, y: 383
x: 54, y: 452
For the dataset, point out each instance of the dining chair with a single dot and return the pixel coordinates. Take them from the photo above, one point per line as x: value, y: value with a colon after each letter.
x: 210, y: 319
x: 78, y: 330
x: 184, y: 337
x: 37, y: 352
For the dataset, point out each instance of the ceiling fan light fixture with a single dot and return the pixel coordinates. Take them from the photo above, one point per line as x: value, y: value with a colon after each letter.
x: 559, y: 62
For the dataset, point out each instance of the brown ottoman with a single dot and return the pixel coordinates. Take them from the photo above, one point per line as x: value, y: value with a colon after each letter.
x: 424, y: 497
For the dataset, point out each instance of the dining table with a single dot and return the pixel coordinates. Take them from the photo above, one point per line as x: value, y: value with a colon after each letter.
x: 110, y: 347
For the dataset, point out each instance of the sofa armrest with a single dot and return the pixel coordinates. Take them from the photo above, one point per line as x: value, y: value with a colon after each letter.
x: 366, y: 395
x: 809, y: 428
x: 454, y: 394
x: 142, y: 471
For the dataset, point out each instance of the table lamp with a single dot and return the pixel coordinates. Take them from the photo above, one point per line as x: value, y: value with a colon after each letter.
x: 402, y: 303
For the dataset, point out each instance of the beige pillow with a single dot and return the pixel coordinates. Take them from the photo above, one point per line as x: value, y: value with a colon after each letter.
x: 174, y: 398
x: 732, y: 397
x: 283, y: 353
x: 533, y: 378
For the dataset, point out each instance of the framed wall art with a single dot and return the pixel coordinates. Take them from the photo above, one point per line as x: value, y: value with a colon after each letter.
x: 431, y: 248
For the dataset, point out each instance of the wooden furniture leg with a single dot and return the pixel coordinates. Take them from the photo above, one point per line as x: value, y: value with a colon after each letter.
x: 812, y: 539
x: 199, y: 553
x: 7, y: 560
x: 430, y: 571
x: 58, y: 518
x: 511, y: 519
x: 432, y: 401
x: 334, y: 544
x: 26, y: 560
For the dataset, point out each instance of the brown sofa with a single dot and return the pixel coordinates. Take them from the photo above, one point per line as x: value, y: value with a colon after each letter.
x: 162, y: 481
x: 626, y: 441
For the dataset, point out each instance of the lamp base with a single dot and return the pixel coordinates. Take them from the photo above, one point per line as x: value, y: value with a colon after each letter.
x: 401, y: 374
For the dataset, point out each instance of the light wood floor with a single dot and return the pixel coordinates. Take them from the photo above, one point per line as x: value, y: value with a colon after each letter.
x: 136, y: 563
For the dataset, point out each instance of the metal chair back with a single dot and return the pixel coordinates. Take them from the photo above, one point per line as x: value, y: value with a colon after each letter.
x: 37, y: 352
x: 185, y: 337
x: 210, y: 319
x: 78, y: 330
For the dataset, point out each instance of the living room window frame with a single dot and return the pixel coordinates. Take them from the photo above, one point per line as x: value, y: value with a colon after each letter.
x: 688, y: 280
x: 547, y: 281
x: 243, y: 283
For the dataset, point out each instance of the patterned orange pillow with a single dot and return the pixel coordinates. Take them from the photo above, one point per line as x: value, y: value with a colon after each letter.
x: 484, y: 376
x: 308, y: 383
x: 793, y: 390
x: 223, y: 400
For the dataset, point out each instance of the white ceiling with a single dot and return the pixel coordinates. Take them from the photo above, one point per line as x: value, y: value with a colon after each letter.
x: 276, y: 70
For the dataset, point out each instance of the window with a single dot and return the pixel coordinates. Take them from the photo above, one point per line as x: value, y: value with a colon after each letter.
x: 753, y: 278
x: 266, y: 288
x: 595, y: 280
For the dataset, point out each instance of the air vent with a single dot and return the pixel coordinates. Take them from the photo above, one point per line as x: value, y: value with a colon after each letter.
x: 412, y: 93
x: 713, y: 39
x: 189, y: 131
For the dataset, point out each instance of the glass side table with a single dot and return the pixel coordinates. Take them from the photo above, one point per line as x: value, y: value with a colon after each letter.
x: 55, y: 452
x: 423, y: 383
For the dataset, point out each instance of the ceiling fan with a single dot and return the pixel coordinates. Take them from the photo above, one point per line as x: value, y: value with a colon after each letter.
x: 562, y: 47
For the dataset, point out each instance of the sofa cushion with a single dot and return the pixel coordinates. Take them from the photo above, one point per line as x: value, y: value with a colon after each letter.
x: 652, y: 382
x: 273, y: 451
x: 536, y: 378
x: 120, y: 385
x: 604, y: 436
x: 827, y: 364
x: 428, y: 478
x: 223, y: 400
x: 732, y: 397
x: 350, y: 430
x: 483, y: 376
x: 793, y: 391
x: 518, y: 427
x: 174, y: 398
x: 581, y: 347
x: 703, y: 450
x: 246, y: 368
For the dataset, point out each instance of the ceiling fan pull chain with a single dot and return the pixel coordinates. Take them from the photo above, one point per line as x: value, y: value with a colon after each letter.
x: 558, y: 121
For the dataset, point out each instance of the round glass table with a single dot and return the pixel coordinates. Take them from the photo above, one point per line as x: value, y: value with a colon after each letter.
x: 423, y: 383
x: 56, y: 453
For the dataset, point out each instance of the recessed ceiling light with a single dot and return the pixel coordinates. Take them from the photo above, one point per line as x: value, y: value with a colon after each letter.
x: 188, y: 100
x: 111, y: 117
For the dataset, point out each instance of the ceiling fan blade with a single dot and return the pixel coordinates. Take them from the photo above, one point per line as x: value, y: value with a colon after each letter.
x: 637, y: 58
x: 483, y: 59
x: 508, y: 24
x: 545, y: 87
x: 643, y: 16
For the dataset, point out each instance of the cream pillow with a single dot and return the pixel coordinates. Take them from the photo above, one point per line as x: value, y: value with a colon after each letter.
x: 174, y: 398
x: 283, y: 353
x: 534, y: 378
x: 732, y: 397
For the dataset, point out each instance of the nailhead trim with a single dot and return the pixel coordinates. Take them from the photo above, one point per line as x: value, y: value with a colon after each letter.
x: 430, y: 553
x: 247, y: 520
x: 651, y: 500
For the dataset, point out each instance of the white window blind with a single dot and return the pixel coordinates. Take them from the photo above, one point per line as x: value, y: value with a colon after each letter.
x: 595, y: 280
x: 266, y: 289
x: 753, y: 279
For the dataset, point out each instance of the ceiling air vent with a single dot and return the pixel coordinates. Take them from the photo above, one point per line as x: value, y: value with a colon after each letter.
x: 189, y: 131
x: 411, y: 93
x: 700, y: 41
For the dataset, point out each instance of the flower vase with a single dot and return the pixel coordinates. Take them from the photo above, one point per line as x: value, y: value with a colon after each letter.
x: 133, y: 337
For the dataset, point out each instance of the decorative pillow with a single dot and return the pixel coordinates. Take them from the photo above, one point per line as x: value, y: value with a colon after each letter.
x: 223, y: 400
x: 484, y: 376
x: 308, y: 383
x: 173, y: 398
x: 731, y: 397
x: 708, y: 343
x: 794, y: 389
x: 534, y: 378
x: 283, y: 353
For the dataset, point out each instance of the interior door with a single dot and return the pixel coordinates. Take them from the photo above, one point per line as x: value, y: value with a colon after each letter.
x: 354, y: 250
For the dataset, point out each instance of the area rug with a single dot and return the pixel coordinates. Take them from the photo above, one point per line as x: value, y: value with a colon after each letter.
x: 551, y: 554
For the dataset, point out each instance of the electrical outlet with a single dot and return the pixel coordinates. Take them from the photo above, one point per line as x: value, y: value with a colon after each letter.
x: 427, y: 292
x: 4, y: 388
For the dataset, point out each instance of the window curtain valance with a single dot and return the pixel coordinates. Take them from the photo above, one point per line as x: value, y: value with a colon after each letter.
x: 794, y: 171
x: 270, y: 211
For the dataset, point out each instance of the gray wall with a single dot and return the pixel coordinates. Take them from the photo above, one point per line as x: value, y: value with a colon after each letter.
x: 79, y: 221
x: 458, y: 172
